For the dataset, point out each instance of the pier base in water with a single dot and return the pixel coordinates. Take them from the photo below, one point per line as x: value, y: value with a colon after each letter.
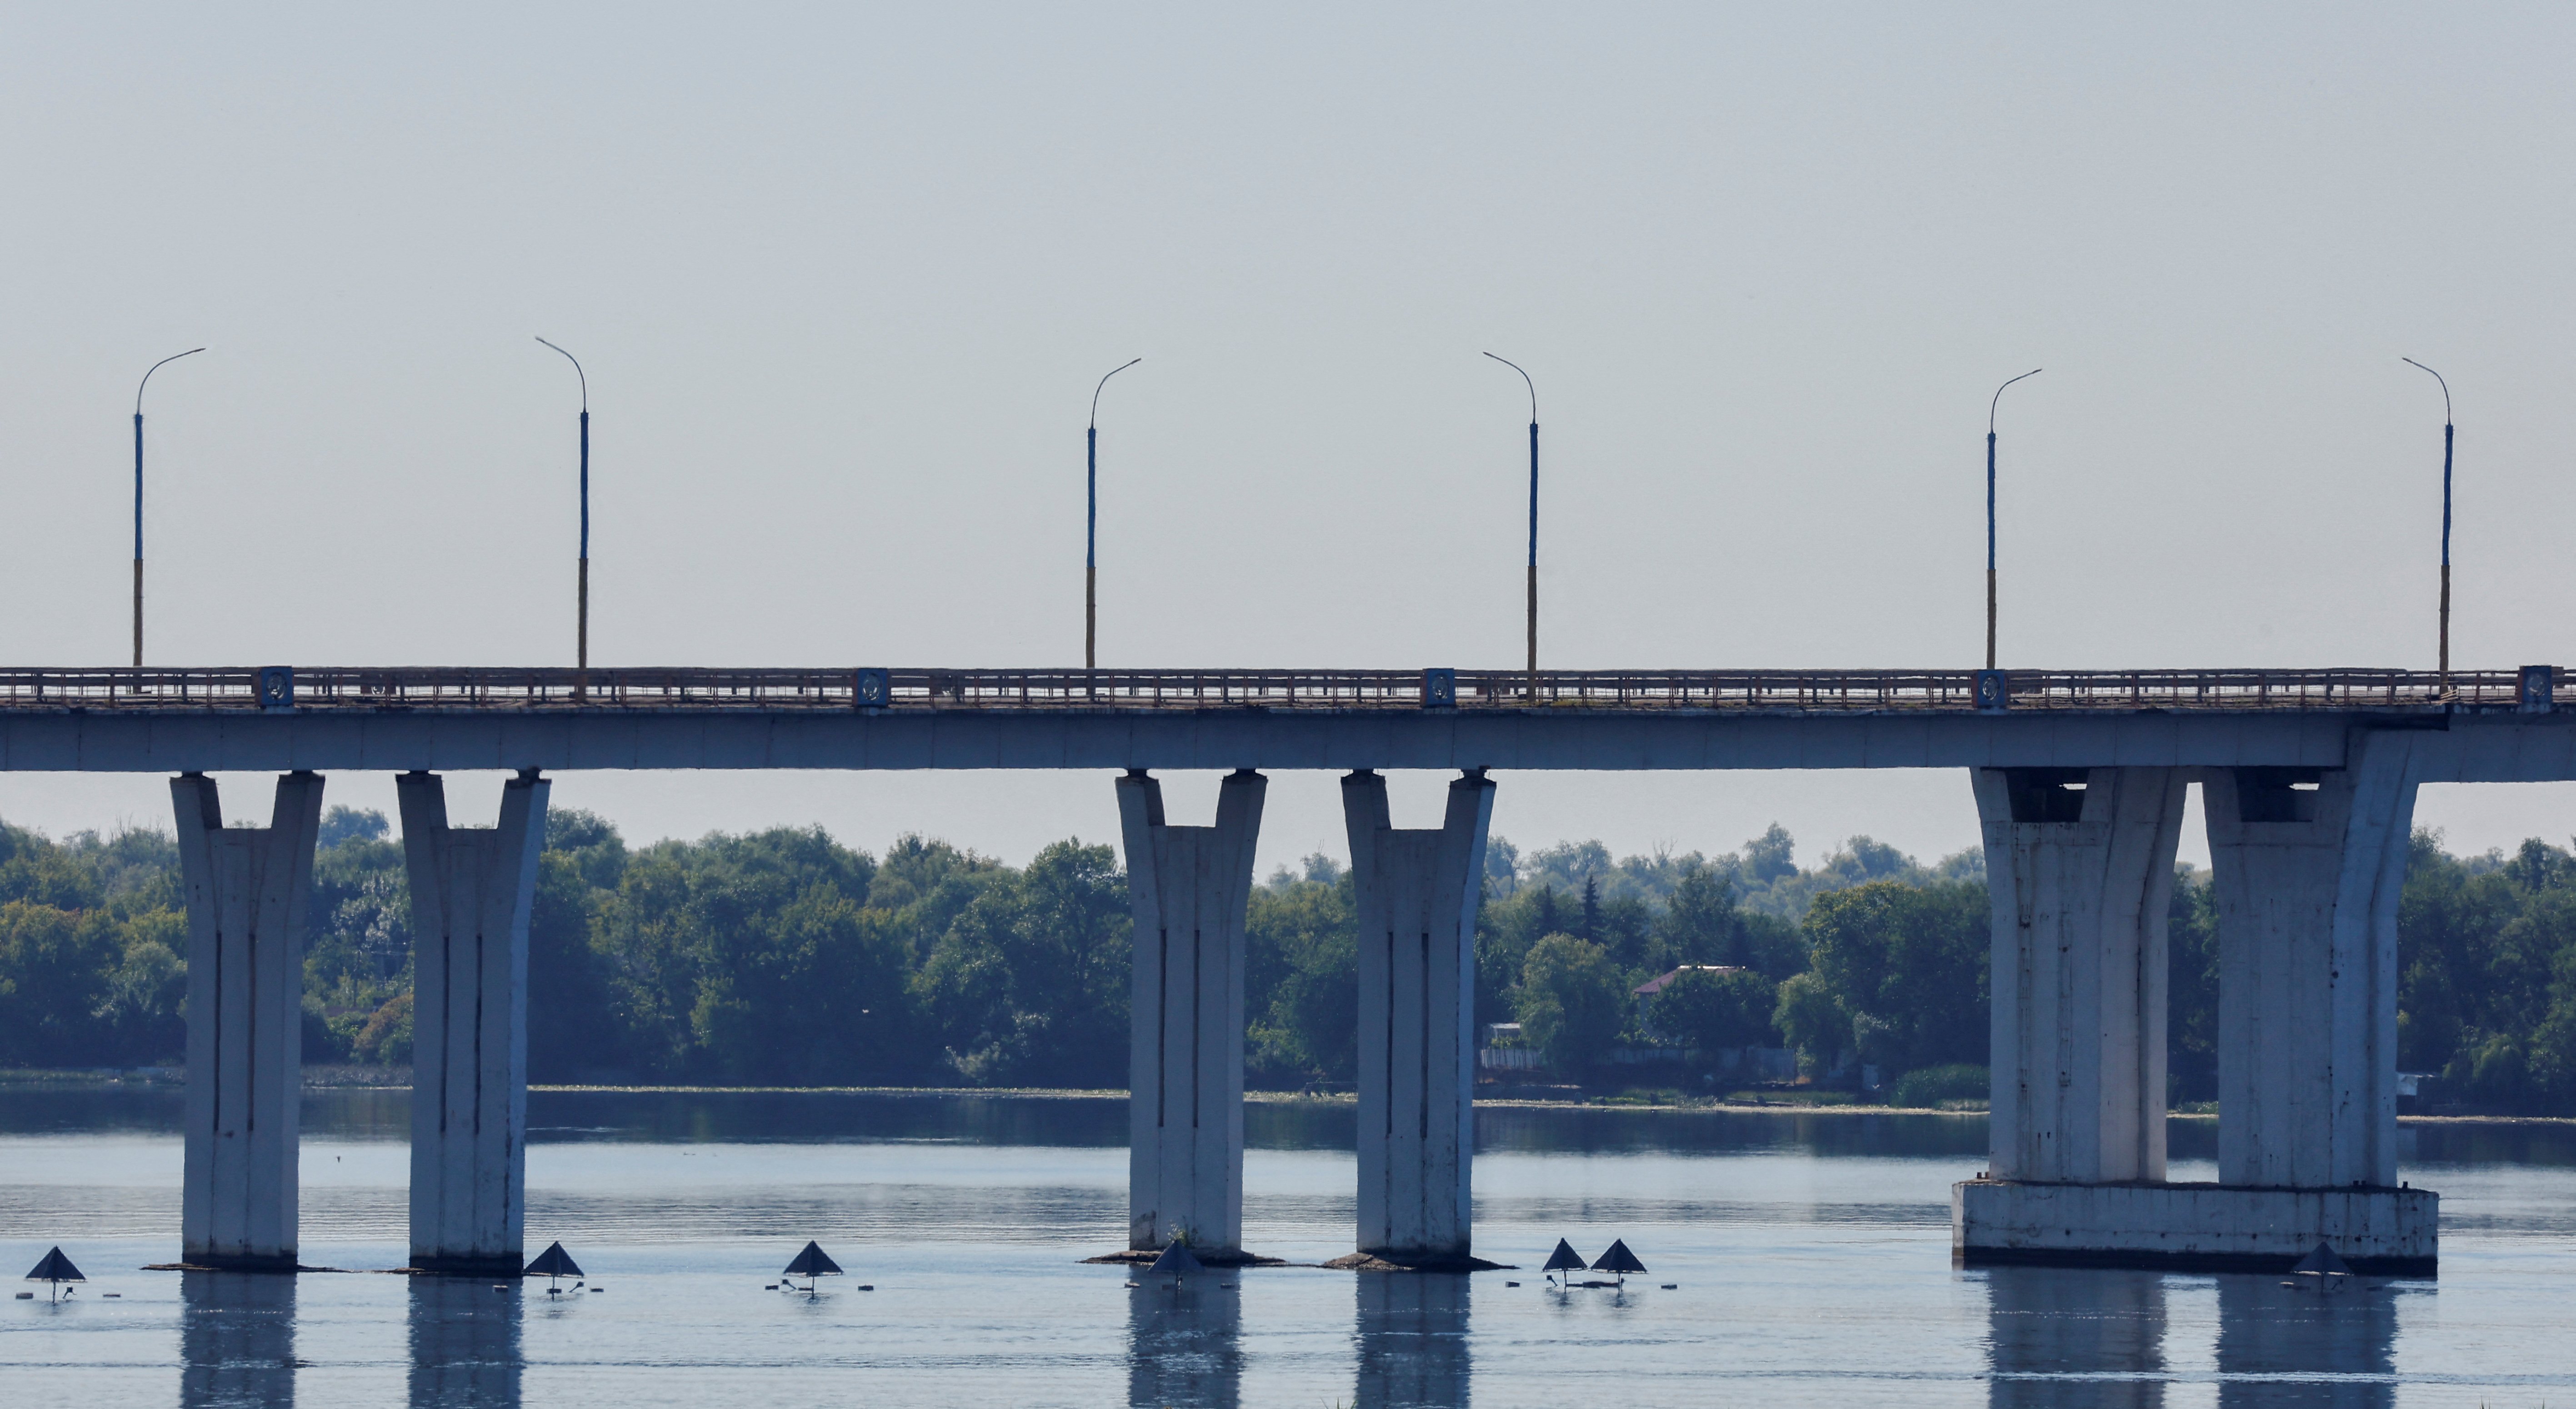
x: 2193, y: 1227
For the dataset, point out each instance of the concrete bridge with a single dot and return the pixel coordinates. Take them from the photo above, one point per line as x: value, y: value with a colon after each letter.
x: 2080, y: 778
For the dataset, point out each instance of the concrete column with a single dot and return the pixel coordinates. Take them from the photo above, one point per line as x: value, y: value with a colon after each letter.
x: 246, y: 888
x: 471, y: 891
x: 2307, y: 865
x: 2079, y: 863
x: 1190, y: 887
x: 1417, y: 895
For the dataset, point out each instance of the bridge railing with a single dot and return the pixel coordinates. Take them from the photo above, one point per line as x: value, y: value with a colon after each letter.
x: 907, y: 690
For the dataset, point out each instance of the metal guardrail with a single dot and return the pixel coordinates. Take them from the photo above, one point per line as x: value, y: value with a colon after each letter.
x: 479, y: 689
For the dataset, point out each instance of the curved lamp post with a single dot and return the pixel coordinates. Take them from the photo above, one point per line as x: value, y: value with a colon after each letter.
x: 1091, y: 526
x: 2446, y: 518
x: 1990, y: 513
x: 138, y: 495
x: 1533, y: 524
x: 581, y: 630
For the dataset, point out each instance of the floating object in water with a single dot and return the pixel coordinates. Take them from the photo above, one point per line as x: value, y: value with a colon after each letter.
x: 499, y: 1288
x: 1511, y: 1284
x: 1177, y: 1260
x: 54, y: 1269
x: 551, y: 1264
x: 599, y: 1289
x: 867, y: 1286
x: 810, y: 1264
x: 113, y: 1296
x: 1564, y: 1259
x: 1672, y: 1286
x: 770, y: 1287
x: 1618, y: 1259
x: 31, y: 1296
x: 2331, y: 1272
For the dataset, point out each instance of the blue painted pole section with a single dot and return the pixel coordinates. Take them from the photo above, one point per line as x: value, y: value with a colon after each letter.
x: 1990, y: 501
x: 1533, y: 534
x: 2446, y: 488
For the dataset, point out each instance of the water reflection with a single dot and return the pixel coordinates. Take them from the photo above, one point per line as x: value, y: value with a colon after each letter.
x: 1184, y: 1342
x: 2062, y: 1336
x: 1413, y: 1340
x: 236, y: 1339
x: 2283, y: 1346
x: 464, y: 1343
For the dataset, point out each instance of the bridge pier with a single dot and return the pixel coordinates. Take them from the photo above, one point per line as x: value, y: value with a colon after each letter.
x: 1189, y: 887
x: 2307, y: 864
x: 246, y: 892
x: 2079, y: 865
x: 1417, y: 891
x: 471, y: 892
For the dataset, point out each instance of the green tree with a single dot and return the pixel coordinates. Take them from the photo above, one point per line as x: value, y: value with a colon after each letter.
x: 1030, y: 981
x: 1713, y: 1010
x: 1572, y: 1002
x: 1909, y: 964
x: 1813, y: 1022
x: 1301, y: 971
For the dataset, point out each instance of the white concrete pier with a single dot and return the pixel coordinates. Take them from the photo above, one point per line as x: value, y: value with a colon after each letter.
x: 2307, y: 866
x: 247, y: 889
x: 471, y: 892
x: 1417, y: 892
x: 1190, y: 887
x: 2080, y: 868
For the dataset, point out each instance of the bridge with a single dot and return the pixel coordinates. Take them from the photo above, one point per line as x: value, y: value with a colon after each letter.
x: 2080, y: 777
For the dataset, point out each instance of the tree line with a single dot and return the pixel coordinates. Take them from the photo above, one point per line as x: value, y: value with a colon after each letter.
x: 782, y: 957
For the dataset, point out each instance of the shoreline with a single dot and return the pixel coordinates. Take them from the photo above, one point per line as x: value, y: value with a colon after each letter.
x: 26, y: 1080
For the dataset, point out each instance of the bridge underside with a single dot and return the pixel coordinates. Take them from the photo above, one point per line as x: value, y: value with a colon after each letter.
x: 2501, y: 747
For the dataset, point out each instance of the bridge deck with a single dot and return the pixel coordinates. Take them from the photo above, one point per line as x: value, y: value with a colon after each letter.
x: 656, y: 689
x: 2484, y: 727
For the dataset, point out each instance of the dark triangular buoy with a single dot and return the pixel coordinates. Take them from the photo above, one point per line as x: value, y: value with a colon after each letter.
x: 1618, y: 1259
x: 1564, y: 1259
x: 2322, y: 1263
x: 55, y: 1267
x: 553, y: 1262
x: 1176, y: 1259
x: 813, y: 1262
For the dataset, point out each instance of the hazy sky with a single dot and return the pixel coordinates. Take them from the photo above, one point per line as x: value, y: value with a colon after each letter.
x: 844, y: 279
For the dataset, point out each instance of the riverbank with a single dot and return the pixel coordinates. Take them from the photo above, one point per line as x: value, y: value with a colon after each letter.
x: 1824, y: 1103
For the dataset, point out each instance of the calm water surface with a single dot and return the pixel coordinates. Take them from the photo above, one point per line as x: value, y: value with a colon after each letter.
x: 1810, y: 1257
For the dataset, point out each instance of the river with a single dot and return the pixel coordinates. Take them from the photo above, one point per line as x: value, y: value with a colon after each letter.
x: 1796, y: 1259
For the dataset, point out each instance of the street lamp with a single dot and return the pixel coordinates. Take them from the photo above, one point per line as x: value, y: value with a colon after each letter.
x: 1533, y: 525
x: 1990, y: 513
x: 581, y: 637
x: 1091, y: 527
x: 138, y: 495
x: 2446, y: 519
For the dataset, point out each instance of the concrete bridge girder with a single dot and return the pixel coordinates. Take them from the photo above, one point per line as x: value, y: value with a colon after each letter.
x: 2449, y: 748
